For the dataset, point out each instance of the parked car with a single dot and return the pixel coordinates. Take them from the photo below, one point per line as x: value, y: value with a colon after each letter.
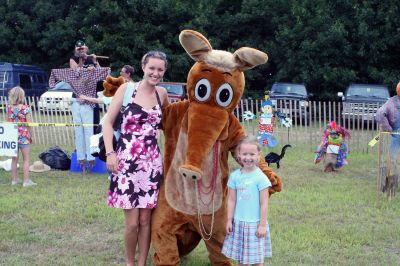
x: 290, y: 98
x: 361, y: 101
x: 176, y: 90
x: 32, y: 79
x: 57, y: 98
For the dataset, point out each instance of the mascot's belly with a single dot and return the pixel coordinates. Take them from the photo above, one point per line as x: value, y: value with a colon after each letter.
x: 180, y: 191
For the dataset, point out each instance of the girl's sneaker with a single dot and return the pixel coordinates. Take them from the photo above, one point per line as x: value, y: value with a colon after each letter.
x: 29, y: 183
x: 16, y: 182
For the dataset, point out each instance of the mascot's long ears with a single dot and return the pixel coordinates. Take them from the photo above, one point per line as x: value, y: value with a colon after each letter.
x: 199, y: 49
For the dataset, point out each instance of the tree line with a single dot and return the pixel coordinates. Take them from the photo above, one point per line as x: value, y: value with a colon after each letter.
x: 325, y: 44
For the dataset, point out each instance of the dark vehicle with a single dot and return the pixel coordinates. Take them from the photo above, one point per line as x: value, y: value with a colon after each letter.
x: 31, y: 78
x: 176, y: 90
x: 290, y: 98
x: 361, y: 101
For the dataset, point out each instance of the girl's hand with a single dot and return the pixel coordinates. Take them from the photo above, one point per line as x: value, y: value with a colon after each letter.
x: 82, y: 97
x: 112, y: 163
x: 228, y: 227
x: 261, y: 231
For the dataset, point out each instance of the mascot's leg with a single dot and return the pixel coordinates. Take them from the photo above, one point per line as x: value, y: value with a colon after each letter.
x: 214, y: 245
x: 172, y: 236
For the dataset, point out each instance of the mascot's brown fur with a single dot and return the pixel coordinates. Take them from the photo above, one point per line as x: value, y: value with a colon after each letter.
x: 111, y: 85
x: 199, y: 135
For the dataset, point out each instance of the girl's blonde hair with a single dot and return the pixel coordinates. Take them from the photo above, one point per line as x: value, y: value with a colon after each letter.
x: 16, y: 95
x: 250, y: 139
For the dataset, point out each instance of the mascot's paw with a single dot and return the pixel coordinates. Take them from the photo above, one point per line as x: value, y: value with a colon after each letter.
x: 191, y: 172
x: 111, y: 85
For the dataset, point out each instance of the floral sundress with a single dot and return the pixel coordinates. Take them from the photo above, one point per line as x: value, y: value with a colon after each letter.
x: 137, y: 181
x: 17, y: 113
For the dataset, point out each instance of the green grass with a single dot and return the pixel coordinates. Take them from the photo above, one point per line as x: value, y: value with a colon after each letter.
x: 318, y: 218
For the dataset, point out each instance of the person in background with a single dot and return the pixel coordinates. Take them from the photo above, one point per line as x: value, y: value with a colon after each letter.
x: 18, y: 111
x: 83, y: 112
x: 81, y: 58
x: 388, y: 117
x: 136, y: 163
x: 127, y: 72
x: 248, y: 239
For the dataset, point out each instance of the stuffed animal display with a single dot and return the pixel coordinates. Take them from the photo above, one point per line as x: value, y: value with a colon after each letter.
x: 111, y: 85
x: 333, y: 148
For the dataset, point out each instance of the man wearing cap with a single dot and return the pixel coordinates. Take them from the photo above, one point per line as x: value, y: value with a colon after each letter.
x: 83, y: 112
x: 388, y: 117
x: 81, y: 58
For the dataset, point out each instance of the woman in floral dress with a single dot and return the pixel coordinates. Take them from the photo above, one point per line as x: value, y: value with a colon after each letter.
x: 136, y: 164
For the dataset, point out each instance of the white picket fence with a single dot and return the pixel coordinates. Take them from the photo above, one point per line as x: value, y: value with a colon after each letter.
x: 307, y: 127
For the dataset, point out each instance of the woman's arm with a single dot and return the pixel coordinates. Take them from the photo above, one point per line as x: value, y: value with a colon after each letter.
x: 162, y: 92
x: 108, y: 131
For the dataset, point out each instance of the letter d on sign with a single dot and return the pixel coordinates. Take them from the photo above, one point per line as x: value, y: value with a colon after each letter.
x: 1, y: 130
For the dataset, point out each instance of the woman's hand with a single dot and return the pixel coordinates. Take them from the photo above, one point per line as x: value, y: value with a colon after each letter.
x: 112, y: 162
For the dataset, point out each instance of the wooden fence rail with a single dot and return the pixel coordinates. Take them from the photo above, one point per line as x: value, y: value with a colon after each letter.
x: 308, y: 122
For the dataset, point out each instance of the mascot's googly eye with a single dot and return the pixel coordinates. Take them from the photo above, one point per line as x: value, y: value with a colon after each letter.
x: 224, y: 95
x: 203, y: 90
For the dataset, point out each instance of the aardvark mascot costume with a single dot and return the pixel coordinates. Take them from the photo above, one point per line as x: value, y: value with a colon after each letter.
x: 199, y: 134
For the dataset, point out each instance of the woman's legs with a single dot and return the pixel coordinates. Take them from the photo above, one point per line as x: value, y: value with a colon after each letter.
x: 137, y: 232
x: 144, y: 235
x: 131, y: 234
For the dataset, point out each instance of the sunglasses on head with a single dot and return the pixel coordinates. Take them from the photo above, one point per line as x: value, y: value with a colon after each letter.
x: 156, y: 54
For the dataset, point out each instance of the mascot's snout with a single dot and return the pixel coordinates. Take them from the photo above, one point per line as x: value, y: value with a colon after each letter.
x: 206, y: 126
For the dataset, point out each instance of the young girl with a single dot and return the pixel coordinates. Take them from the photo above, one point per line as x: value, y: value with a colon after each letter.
x: 248, y: 240
x: 19, y: 112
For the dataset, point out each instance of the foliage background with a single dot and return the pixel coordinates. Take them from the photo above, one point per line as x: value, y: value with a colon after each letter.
x: 324, y: 44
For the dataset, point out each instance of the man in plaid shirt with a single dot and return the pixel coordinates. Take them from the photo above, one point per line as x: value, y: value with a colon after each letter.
x: 83, y: 82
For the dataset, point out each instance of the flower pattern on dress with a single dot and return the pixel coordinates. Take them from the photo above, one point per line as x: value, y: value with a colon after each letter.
x: 18, y: 114
x: 140, y: 169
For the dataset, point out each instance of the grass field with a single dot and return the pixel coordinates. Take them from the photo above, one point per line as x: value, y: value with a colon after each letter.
x: 318, y: 219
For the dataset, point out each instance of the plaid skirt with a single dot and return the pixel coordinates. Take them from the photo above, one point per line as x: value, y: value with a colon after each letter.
x: 244, y: 246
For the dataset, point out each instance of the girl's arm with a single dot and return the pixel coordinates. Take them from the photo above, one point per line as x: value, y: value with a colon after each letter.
x: 262, y: 226
x: 28, y: 120
x: 230, y: 209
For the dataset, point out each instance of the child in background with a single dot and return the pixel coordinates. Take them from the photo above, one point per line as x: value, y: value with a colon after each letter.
x: 18, y: 111
x: 248, y: 239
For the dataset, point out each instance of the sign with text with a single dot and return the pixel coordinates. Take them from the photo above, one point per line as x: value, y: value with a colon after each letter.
x: 8, y: 139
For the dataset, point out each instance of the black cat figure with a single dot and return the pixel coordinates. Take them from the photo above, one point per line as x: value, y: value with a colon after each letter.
x: 273, y: 157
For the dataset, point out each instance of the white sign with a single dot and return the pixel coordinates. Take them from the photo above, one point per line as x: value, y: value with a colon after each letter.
x: 8, y: 140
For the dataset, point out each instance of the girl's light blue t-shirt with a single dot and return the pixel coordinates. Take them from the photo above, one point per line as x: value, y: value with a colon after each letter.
x: 248, y: 187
